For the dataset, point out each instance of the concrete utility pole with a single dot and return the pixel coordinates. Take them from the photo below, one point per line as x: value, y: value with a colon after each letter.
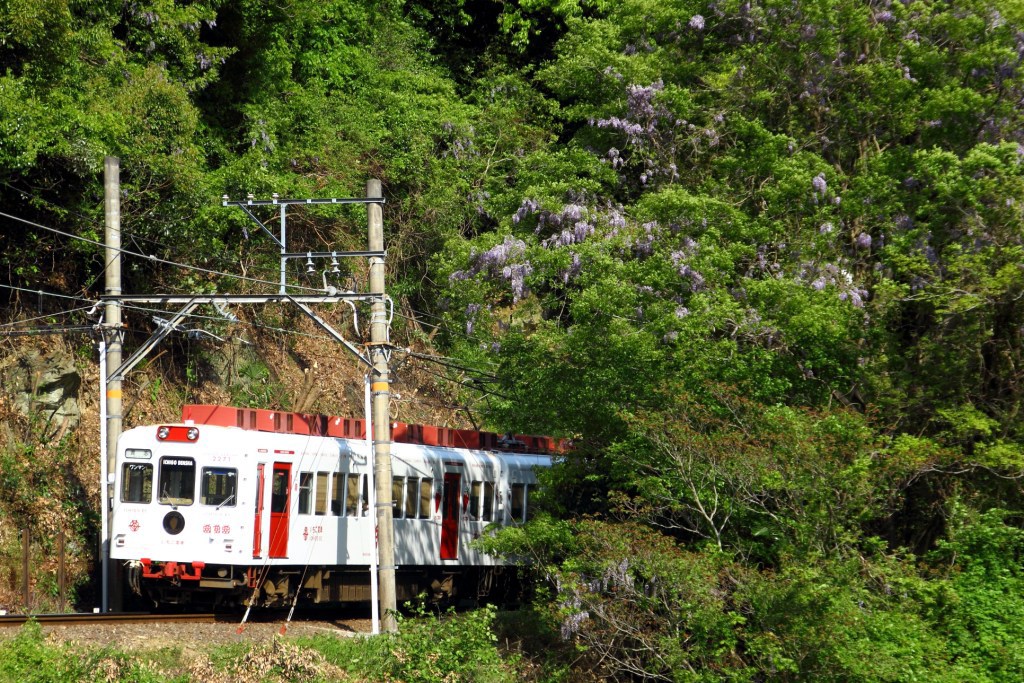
x: 379, y: 388
x: 114, y: 338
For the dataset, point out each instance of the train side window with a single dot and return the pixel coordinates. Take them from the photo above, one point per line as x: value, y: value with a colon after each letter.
x: 366, y: 498
x: 218, y: 486
x: 475, y: 491
x: 352, y: 495
x: 397, y: 487
x: 279, y: 491
x: 488, y: 501
x: 426, y: 497
x: 321, y: 493
x: 177, y: 481
x: 517, y: 500
x: 397, y: 491
x: 305, y: 492
x: 337, y: 493
x: 411, y: 485
x: 136, y: 483
x: 529, y: 504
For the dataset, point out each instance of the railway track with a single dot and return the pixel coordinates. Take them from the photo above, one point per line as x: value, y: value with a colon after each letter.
x: 112, y: 618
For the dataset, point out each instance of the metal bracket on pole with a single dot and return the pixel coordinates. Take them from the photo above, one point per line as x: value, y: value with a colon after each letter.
x: 162, y: 332
x: 282, y: 200
x: 331, y: 331
x: 260, y: 223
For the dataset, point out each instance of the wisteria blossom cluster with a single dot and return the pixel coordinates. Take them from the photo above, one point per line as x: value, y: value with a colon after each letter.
x: 818, y: 276
x: 835, y: 276
x: 572, y: 598
x: 573, y: 223
x: 820, y: 191
x: 680, y: 258
x: 649, y: 131
x: 571, y: 604
x: 654, y: 139
x: 580, y: 221
x: 505, y: 261
x: 456, y: 144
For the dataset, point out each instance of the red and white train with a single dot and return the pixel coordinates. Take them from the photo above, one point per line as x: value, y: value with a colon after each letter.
x: 237, y: 505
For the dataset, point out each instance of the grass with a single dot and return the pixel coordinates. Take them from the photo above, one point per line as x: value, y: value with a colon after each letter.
x: 450, y: 647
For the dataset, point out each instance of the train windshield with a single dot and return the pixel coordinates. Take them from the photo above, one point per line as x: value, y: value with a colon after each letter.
x: 136, y: 482
x: 177, y: 481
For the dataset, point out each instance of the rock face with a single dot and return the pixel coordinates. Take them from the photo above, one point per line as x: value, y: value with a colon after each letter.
x: 45, y: 386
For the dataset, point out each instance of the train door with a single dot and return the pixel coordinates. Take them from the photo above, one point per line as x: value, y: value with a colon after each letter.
x: 257, y: 534
x: 280, y: 487
x: 451, y: 510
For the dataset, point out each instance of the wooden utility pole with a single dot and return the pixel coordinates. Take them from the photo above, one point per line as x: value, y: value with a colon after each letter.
x: 381, y: 397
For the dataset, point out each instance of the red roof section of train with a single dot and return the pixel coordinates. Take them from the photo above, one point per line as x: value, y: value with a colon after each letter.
x: 259, y: 419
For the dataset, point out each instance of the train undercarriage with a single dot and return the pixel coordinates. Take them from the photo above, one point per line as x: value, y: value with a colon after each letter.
x: 227, y: 586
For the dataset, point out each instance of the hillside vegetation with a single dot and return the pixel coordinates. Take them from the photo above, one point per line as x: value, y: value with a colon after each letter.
x: 763, y: 261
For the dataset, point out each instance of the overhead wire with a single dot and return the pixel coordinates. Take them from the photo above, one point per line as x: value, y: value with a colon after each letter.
x: 440, y: 360
x: 151, y: 258
x: 445, y: 361
x: 43, y: 201
x: 470, y: 385
x: 43, y: 317
x: 45, y: 293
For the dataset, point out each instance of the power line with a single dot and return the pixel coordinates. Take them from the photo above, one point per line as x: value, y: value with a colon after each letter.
x: 469, y: 385
x: 40, y: 331
x: 44, y: 317
x: 199, y: 269
x: 53, y: 294
x: 447, y: 362
x: 150, y: 257
x: 439, y: 360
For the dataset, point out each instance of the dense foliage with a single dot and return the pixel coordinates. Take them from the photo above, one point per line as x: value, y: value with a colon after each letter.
x: 763, y: 261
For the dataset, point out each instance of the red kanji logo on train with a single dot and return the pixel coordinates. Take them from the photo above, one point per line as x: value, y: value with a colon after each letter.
x: 134, y: 525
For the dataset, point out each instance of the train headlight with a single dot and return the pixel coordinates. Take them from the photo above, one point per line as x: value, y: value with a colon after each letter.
x: 177, y: 433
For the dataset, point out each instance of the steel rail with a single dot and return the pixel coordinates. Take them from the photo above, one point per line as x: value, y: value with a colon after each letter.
x: 80, y: 618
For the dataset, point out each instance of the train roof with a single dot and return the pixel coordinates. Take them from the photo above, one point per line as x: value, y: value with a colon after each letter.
x: 280, y: 422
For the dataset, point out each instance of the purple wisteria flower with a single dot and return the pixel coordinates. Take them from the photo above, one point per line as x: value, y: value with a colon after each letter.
x: 500, y: 262
x: 819, y: 184
x: 832, y: 275
x: 697, y: 22
x: 572, y: 271
x: 863, y: 241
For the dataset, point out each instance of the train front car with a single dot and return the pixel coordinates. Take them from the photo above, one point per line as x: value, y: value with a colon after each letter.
x: 178, y: 519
